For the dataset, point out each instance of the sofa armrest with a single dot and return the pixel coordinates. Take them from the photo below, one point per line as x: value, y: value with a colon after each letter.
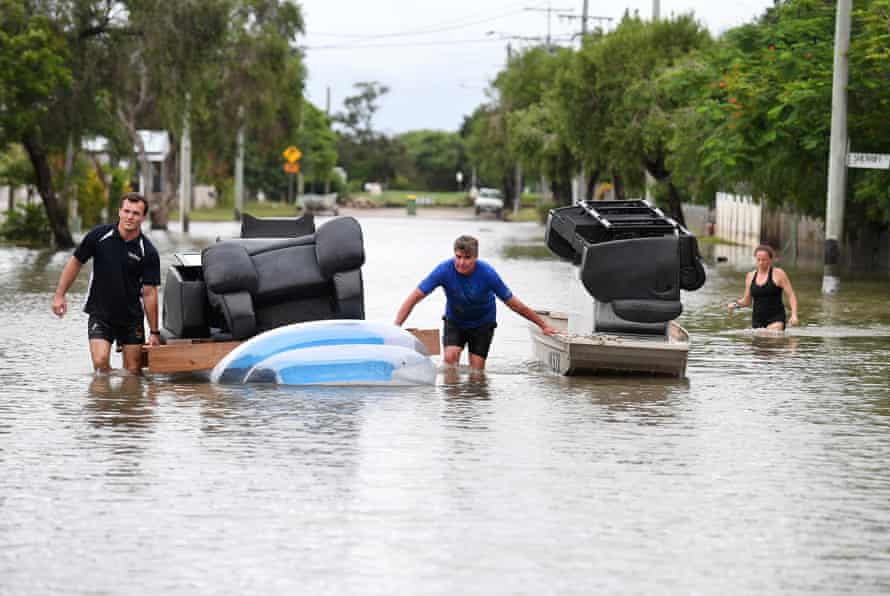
x: 339, y: 246
x: 237, y: 308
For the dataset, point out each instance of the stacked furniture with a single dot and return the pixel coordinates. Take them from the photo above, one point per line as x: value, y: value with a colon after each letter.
x: 279, y: 272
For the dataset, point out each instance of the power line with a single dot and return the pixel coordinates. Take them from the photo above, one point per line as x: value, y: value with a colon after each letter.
x: 549, y: 10
x: 407, y: 44
x: 447, y: 26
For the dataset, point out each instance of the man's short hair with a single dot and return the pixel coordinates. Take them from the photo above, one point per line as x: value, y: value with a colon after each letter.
x: 468, y: 245
x: 135, y: 197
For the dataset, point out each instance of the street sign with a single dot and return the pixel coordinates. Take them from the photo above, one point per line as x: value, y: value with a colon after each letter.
x: 876, y: 161
x: 292, y: 168
x: 292, y: 154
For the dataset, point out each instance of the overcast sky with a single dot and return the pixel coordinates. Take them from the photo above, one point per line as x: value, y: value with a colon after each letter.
x: 437, y: 58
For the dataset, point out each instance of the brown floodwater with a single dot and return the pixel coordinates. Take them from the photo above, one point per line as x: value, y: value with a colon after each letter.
x: 763, y: 471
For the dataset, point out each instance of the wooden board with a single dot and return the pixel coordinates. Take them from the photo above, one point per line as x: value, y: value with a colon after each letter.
x: 186, y: 356
x: 429, y: 338
x: 189, y: 355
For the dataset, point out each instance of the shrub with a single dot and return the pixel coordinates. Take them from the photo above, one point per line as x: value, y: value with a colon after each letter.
x: 27, y: 224
x: 91, y: 199
x: 543, y: 208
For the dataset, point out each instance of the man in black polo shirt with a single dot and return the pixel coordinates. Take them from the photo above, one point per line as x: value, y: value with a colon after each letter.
x: 126, y: 274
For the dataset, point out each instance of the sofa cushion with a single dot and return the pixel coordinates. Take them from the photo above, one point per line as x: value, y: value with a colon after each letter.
x: 339, y: 246
x: 637, y: 268
x: 228, y: 268
x: 287, y: 271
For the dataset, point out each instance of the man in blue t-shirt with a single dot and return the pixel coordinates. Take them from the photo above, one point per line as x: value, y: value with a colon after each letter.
x: 470, y: 286
x: 126, y: 275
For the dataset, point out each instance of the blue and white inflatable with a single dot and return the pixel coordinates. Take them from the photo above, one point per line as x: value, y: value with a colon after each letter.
x: 330, y: 352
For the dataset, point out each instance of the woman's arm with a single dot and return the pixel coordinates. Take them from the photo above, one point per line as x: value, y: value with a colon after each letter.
x: 784, y: 282
x: 746, y: 299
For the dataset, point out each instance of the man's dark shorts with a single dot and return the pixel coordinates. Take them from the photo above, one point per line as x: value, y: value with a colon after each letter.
x: 478, y: 339
x: 132, y: 333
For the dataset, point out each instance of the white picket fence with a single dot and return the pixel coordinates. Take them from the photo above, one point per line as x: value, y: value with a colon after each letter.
x: 738, y: 219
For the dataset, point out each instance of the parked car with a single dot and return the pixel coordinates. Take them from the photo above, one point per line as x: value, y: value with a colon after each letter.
x: 489, y: 200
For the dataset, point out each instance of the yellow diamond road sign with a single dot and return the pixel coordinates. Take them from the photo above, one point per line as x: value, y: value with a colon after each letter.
x: 292, y: 154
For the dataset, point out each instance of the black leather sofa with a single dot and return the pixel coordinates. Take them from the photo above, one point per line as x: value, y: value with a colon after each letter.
x: 633, y: 261
x: 244, y: 286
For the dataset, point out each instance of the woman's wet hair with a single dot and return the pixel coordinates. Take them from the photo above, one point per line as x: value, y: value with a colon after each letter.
x: 467, y: 245
x: 765, y: 248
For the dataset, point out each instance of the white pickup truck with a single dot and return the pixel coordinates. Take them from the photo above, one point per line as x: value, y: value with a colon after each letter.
x: 489, y: 200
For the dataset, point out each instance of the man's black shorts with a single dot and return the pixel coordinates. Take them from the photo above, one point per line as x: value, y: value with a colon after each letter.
x: 478, y: 338
x: 129, y: 334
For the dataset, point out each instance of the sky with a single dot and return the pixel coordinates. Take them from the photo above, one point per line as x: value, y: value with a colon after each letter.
x: 438, y: 58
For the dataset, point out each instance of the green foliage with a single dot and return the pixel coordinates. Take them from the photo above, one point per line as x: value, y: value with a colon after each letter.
x: 436, y: 157
x: 117, y: 186
x: 34, y: 72
x: 367, y: 155
x: 27, y: 224
x: 360, y: 109
x: 485, y: 136
x: 318, y: 142
x: 15, y: 169
x: 754, y: 113
x: 91, y: 199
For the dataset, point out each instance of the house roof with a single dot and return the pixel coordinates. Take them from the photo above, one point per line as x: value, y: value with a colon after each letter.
x: 157, y: 144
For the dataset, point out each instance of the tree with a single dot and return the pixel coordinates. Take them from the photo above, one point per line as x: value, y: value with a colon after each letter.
x: 366, y: 154
x: 360, y: 109
x: 485, y: 136
x: 259, y: 86
x: 34, y: 76
x: 577, y: 114
x: 436, y: 157
x: 636, y: 121
x: 15, y: 170
x: 164, y: 51
x: 757, y: 108
x: 319, y: 145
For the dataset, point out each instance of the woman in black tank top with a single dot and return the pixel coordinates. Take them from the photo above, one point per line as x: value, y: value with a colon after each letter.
x: 764, y: 288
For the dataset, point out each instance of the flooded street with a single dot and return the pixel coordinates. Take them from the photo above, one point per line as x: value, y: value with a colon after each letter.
x: 763, y: 471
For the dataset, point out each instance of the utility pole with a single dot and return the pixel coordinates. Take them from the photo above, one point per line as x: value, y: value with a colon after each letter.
x: 300, y: 136
x: 239, y: 166
x: 549, y: 10
x: 837, y: 159
x: 656, y: 10
x: 584, y: 20
x: 185, y: 170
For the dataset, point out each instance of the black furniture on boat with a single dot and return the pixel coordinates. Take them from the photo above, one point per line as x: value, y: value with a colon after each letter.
x: 633, y: 261
x: 238, y: 288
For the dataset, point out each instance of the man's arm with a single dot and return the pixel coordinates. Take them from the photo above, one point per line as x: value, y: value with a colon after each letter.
x: 150, y: 300
x: 521, y: 309
x: 69, y: 274
x: 413, y: 298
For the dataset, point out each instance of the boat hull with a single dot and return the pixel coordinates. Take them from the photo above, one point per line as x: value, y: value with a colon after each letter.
x: 604, y: 354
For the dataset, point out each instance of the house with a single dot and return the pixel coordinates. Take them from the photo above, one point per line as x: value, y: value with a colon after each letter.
x: 157, y: 148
